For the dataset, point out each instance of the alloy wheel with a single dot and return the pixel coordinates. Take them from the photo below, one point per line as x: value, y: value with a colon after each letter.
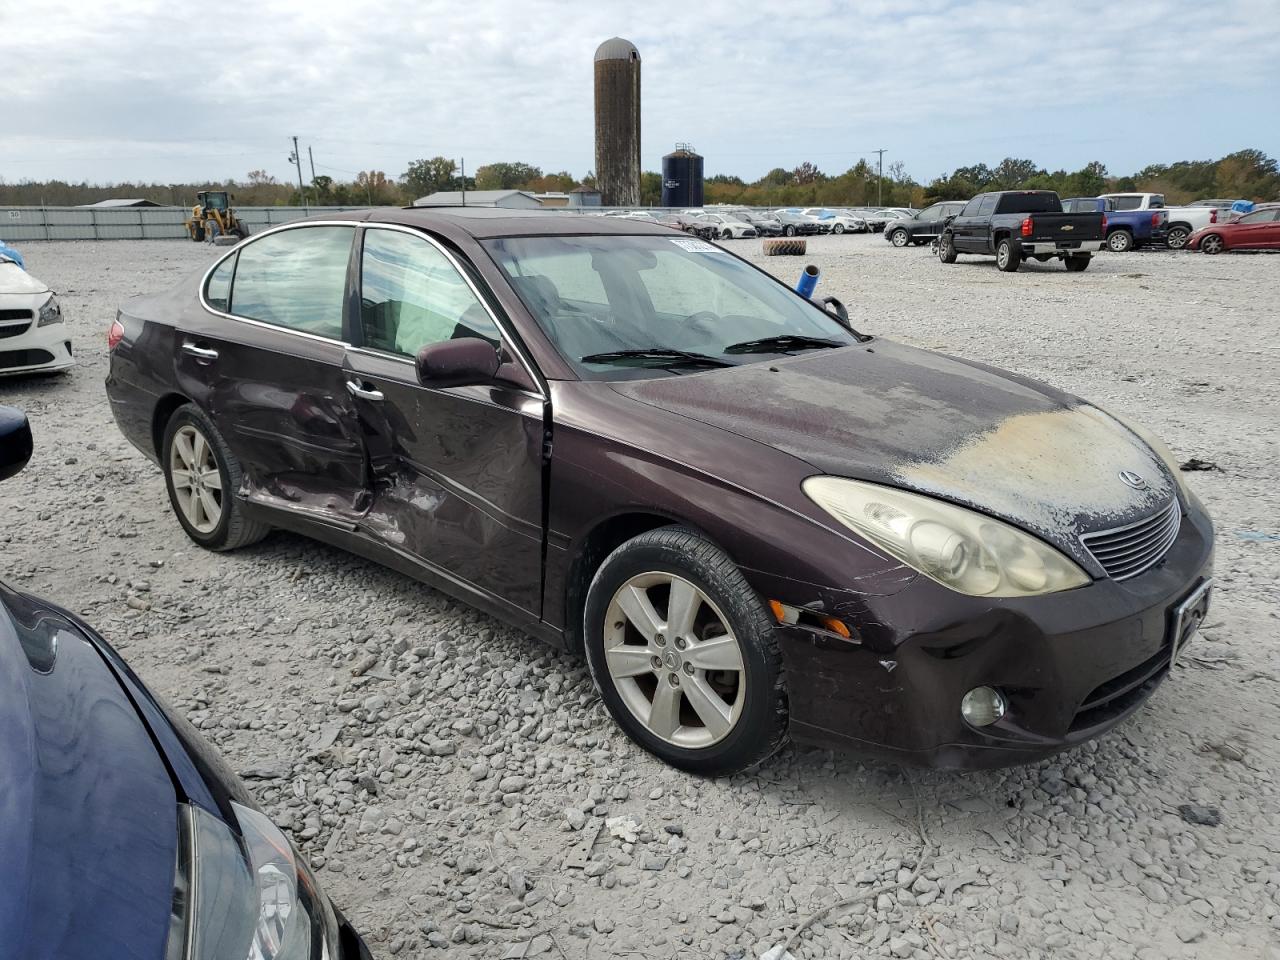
x: 1211, y: 244
x: 197, y: 481
x: 900, y: 238
x: 674, y: 660
x: 1177, y: 238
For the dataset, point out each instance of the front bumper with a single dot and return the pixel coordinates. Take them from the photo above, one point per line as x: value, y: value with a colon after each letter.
x: 1071, y: 665
x: 35, y: 349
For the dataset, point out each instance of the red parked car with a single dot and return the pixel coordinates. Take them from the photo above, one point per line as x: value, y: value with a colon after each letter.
x: 1259, y: 230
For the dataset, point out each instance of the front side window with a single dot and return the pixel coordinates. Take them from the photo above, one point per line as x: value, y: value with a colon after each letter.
x: 411, y: 296
x: 218, y: 290
x: 930, y: 213
x: 971, y: 208
x: 595, y: 296
x: 295, y: 279
x: 987, y: 205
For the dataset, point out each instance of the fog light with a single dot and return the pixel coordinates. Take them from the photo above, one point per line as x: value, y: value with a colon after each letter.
x: 982, y: 706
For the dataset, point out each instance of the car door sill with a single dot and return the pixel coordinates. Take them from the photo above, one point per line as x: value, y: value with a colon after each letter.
x: 348, y: 536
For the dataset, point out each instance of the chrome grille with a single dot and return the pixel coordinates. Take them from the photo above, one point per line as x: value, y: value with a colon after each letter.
x: 1129, y: 550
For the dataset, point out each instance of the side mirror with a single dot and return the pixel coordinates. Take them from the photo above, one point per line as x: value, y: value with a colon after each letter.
x: 15, y: 442
x: 457, y: 363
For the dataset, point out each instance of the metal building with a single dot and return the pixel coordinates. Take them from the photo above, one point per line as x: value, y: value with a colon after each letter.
x: 682, y: 177
x: 617, y: 68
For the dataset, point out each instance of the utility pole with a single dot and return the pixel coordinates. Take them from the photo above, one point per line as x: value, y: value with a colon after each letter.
x: 880, y: 176
x: 297, y: 162
x: 463, y: 166
x: 312, y: 161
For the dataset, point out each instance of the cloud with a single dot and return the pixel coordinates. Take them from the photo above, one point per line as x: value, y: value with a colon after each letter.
x: 144, y: 89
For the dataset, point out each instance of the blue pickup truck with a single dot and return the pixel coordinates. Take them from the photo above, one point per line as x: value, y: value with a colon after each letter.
x: 1126, y: 229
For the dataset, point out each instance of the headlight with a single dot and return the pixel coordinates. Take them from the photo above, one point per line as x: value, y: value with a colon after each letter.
x: 961, y: 549
x: 245, y: 898
x: 50, y: 312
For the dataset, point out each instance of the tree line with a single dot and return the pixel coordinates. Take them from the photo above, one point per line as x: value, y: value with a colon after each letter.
x: 1247, y: 174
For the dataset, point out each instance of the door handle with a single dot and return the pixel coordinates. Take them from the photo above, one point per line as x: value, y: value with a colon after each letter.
x: 359, y: 390
x: 200, y: 353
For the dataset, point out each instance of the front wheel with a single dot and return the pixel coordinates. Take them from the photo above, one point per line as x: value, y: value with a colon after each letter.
x: 1120, y: 241
x: 789, y: 231
x: 685, y: 655
x: 946, y: 249
x: 838, y: 228
x: 1212, y: 244
x: 202, y: 476
x: 1177, y: 237
x: 1007, y: 258
x: 899, y: 238
x: 1077, y: 264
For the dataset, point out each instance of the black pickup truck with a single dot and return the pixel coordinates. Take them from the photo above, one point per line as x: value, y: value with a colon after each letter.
x: 1015, y: 224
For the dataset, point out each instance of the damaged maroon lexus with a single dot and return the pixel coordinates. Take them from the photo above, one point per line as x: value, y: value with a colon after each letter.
x: 754, y: 520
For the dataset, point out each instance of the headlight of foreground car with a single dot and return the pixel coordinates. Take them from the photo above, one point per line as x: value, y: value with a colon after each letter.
x: 249, y: 897
x: 50, y: 313
x: 967, y: 551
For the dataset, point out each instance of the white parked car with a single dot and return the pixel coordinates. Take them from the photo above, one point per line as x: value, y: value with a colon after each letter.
x: 839, y: 220
x: 33, y: 336
x: 1183, y: 221
x: 727, y: 227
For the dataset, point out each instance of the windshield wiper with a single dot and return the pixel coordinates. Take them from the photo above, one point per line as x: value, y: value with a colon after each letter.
x: 782, y: 343
x: 657, y: 353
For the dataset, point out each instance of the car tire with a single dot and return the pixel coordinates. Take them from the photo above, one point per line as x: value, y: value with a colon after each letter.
x: 727, y: 625
x: 1212, y: 244
x: 947, y: 248
x: 838, y: 228
x: 205, y: 453
x: 1120, y: 241
x: 1078, y: 263
x: 1008, y: 258
x: 1176, y: 238
x: 197, y: 233
x: 788, y: 231
x: 899, y: 238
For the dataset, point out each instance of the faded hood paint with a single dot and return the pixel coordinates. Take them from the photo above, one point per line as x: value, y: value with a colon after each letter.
x: 888, y: 413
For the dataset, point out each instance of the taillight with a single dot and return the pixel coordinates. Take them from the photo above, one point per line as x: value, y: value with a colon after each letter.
x: 1213, y: 215
x: 1027, y: 227
x: 115, y: 334
x: 1155, y: 219
x: 1104, y: 224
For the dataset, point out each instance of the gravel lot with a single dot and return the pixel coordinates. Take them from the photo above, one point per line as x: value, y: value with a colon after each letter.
x: 438, y: 767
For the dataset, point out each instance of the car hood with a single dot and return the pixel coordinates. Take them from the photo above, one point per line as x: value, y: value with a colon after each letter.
x: 918, y: 420
x: 15, y: 280
x: 88, y: 812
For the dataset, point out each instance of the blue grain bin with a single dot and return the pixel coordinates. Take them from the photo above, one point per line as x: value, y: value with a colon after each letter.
x: 682, y: 177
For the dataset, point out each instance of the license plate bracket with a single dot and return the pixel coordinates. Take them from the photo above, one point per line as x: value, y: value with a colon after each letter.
x: 1186, y: 617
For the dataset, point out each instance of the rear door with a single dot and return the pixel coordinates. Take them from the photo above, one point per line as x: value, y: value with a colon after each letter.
x: 457, y: 471
x: 264, y: 359
x: 972, y: 228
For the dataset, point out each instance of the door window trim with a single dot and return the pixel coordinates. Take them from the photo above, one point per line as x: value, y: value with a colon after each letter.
x: 235, y: 252
x: 508, y: 339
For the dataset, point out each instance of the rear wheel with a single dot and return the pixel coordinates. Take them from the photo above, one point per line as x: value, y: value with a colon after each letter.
x: 202, y: 476
x: 1007, y: 258
x: 197, y: 233
x: 899, y: 238
x: 1077, y: 264
x: 684, y: 654
x: 1177, y: 237
x: 1212, y: 244
x: 1120, y: 241
x: 946, y: 249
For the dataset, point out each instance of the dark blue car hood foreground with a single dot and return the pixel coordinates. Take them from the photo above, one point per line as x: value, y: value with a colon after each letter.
x: 88, y: 810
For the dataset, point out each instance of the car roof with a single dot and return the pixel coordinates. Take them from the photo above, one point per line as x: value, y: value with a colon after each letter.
x: 484, y: 223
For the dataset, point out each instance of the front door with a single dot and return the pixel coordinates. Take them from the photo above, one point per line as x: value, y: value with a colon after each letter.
x: 264, y: 360
x: 458, y: 471
x: 1256, y: 231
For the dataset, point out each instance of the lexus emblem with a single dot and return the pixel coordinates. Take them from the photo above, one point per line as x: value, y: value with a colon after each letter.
x: 1133, y: 480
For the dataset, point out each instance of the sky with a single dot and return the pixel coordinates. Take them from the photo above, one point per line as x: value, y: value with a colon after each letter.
x: 153, y: 90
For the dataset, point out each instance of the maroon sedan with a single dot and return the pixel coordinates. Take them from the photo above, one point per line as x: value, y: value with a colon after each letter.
x: 1259, y: 230
x: 754, y: 520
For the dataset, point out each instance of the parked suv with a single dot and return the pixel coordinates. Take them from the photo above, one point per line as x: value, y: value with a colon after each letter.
x: 924, y: 226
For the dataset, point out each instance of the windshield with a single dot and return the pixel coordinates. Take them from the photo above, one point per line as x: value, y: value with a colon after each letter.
x: 597, y: 296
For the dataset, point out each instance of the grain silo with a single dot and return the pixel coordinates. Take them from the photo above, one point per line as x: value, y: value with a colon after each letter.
x: 682, y: 177
x: 617, y: 67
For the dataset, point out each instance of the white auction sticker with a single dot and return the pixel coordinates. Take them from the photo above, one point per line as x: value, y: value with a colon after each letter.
x: 694, y: 246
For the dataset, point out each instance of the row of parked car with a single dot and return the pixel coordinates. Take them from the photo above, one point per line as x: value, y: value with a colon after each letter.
x: 1132, y: 221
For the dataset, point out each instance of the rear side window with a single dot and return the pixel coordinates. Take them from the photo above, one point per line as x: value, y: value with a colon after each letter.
x: 295, y: 279
x: 1132, y: 203
x: 1029, y: 203
x: 411, y: 296
x: 218, y: 290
